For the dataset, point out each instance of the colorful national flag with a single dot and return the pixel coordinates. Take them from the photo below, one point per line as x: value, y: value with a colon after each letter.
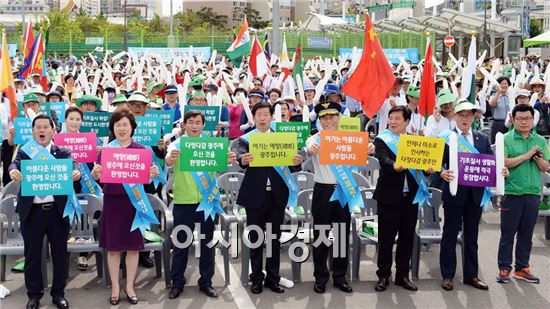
x: 373, y: 77
x: 266, y: 48
x: 285, y: 61
x: 468, y: 89
x: 29, y: 59
x: 38, y: 64
x: 241, y: 45
x: 426, y: 102
x: 7, y: 84
x: 28, y: 42
x: 298, y: 64
x: 257, y: 64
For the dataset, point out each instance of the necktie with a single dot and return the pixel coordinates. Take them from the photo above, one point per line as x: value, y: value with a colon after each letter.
x: 465, y: 135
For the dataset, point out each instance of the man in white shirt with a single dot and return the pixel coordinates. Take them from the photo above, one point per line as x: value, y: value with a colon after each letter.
x: 443, y: 116
x: 324, y: 211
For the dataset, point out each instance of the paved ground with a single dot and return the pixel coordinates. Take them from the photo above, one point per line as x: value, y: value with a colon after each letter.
x: 84, y: 290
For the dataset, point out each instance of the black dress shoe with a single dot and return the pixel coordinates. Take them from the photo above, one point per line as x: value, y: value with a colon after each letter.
x: 447, y: 284
x: 319, y: 288
x: 406, y: 284
x: 175, y: 292
x: 209, y: 291
x: 133, y: 299
x: 60, y: 302
x: 146, y: 261
x: 476, y: 283
x: 33, y: 303
x: 275, y: 287
x: 256, y: 288
x: 344, y: 287
x: 114, y: 300
x: 382, y: 284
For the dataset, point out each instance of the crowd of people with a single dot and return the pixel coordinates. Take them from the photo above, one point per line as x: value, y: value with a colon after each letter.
x: 510, y: 97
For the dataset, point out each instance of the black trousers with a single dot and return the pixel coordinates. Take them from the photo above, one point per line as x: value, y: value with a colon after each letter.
x: 464, y: 216
x: 7, y: 154
x: 188, y: 216
x: 497, y: 126
x: 396, y: 220
x: 39, y: 223
x: 326, y: 213
x: 273, y: 214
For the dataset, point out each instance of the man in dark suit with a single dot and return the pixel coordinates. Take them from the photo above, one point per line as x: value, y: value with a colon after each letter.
x: 395, y: 193
x: 43, y: 215
x: 264, y: 195
x: 464, y: 209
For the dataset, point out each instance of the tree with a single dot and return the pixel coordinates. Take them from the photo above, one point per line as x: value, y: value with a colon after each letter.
x: 81, y: 12
x: 157, y: 25
x: 535, y: 27
x: 253, y: 17
x: 187, y: 21
x: 214, y: 20
x: 101, y: 17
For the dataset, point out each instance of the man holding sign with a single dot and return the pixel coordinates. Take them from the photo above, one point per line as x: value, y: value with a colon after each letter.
x: 43, y: 215
x: 399, y: 192
x: 196, y: 200
x: 265, y: 193
x: 463, y: 211
x: 326, y: 211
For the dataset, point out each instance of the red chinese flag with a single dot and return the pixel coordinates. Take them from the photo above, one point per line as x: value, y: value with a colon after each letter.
x: 426, y: 103
x: 373, y: 78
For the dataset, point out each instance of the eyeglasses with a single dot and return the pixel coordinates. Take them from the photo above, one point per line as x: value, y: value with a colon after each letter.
x: 521, y: 119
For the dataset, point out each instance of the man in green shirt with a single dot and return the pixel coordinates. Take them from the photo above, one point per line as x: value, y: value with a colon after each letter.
x: 526, y: 156
x: 187, y: 197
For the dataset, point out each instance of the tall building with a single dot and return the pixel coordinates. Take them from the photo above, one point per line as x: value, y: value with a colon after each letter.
x: 234, y: 9
x: 147, y: 8
x: 112, y: 7
x: 30, y: 6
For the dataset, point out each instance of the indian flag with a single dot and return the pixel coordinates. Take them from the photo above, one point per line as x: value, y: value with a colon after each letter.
x: 241, y: 46
x: 468, y: 89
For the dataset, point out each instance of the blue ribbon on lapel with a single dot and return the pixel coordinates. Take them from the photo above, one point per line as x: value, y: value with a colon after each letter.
x: 285, y: 174
x: 145, y: 215
x: 36, y: 151
x: 423, y: 193
x: 465, y: 146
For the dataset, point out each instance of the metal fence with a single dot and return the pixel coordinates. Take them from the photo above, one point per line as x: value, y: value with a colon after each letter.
x: 313, y: 43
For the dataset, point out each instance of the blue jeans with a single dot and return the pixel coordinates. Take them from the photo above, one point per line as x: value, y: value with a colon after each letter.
x: 188, y: 215
x: 518, y: 215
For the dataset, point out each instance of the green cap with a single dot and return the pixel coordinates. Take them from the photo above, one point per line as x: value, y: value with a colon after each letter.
x: 30, y: 97
x: 38, y: 90
x: 153, y: 84
x: 89, y: 98
x: 197, y: 93
x: 465, y: 105
x: 413, y: 92
x: 195, y: 81
x: 119, y: 98
x: 445, y: 96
